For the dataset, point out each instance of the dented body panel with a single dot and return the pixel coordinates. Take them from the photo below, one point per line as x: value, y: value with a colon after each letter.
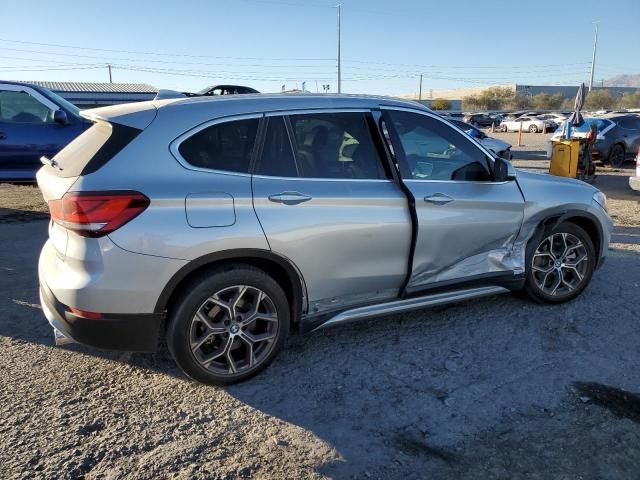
x: 473, y: 234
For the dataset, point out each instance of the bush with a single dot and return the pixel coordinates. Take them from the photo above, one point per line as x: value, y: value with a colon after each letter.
x: 630, y: 100
x: 600, y: 99
x: 440, y: 104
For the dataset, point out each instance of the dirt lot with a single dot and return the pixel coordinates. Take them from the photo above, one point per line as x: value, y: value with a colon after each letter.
x: 486, y: 389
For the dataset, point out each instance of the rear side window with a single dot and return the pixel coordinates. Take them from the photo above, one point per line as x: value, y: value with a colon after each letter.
x: 336, y: 145
x: 93, y: 149
x: 224, y: 146
x: 277, y: 155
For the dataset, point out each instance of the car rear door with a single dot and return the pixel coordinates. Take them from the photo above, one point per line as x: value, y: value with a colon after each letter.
x: 467, y: 223
x: 327, y: 201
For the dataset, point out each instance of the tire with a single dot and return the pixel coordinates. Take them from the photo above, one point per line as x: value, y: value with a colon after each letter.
x: 503, y: 128
x: 549, y: 277
x: 533, y: 129
x: 212, y: 347
x: 616, y: 155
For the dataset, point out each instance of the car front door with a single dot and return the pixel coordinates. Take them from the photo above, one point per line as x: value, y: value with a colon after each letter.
x: 327, y: 200
x: 467, y: 223
x: 28, y: 131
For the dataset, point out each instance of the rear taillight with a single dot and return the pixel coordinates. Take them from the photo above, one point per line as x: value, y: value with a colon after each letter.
x: 95, y: 214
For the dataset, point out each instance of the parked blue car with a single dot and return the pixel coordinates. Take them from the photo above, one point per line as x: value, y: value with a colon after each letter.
x: 34, y: 122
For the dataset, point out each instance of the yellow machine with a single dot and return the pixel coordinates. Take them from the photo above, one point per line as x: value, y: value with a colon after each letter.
x: 565, y: 155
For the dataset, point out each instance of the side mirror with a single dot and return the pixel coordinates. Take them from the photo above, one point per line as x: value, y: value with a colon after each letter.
x: 503, y: 170
x: 60, y: 116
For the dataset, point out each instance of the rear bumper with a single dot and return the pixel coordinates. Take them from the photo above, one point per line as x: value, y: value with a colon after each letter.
x: 133, y: 332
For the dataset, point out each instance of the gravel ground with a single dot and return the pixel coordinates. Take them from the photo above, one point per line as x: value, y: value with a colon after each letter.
x: 485, y: 389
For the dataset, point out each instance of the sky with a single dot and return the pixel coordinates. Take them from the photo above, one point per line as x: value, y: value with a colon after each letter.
x: 265, y: 44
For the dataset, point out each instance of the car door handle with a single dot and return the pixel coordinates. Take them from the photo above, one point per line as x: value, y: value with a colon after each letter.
x: 438, y: 199
x: 289, y: 198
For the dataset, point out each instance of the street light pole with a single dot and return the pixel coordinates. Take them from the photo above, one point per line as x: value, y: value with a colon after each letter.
x: 339, y: 75
x: 593, y: 56
x: 420, y: 91
x: 110, y: 78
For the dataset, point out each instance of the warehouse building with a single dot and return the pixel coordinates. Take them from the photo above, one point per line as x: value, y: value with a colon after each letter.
x: 91, y: 95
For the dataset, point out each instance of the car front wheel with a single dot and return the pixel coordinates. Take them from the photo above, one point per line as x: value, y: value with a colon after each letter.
x: 560, y: 264
x: 228, y: 325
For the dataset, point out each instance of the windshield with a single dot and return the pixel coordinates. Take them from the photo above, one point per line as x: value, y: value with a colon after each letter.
x: 70, y: 107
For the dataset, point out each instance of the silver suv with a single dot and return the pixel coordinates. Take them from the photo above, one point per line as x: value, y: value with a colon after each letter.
x: 223, y: 224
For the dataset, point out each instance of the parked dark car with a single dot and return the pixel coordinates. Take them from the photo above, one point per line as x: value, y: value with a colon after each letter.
x: 480, y: 120
x: 34, y: 122
x: 621, y: 142
x: 212, y: 91
x: 618, y: 137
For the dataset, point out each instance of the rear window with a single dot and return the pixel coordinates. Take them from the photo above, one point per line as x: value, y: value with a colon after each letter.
x: 601, y: 124
x: 93, y: 149
x: 225, y: 146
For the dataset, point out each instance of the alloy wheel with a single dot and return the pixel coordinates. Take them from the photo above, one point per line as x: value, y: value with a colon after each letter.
x: 617, y: 156
x: 560, y: 264
x: 234, y: 330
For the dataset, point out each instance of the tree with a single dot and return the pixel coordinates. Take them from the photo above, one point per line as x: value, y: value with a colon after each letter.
x: 600, y: 99
x: 494, y: 98
x: 547, y: 101
x: 440, y: 104
x: 521, y: 102
x: 472, y: 102
x: 630, y: 100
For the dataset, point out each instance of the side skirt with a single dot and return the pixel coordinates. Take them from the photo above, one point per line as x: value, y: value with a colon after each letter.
x: 405, y: 305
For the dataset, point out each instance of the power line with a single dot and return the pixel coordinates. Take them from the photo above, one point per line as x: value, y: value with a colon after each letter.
x: 138, y: 52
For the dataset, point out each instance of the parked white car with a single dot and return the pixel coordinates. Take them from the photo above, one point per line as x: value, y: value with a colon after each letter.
x: 529, y: 124
x: 634, y: 181
x: 554, y: 117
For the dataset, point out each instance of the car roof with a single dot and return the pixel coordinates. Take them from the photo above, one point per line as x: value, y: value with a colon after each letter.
x: 206, y: 107
x: 285, y: 101
x: 23, y: 84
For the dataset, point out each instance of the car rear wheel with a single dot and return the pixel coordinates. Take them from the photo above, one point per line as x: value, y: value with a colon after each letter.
x: 503, y: 128
x: 228, y: 325
x: 616, y: 156
x: 533, y: 129
x: 560, y: 264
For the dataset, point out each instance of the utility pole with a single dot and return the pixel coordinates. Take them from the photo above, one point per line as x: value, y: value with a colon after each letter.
x: 593, y: 57
x: 109, y: 67
x: 339, y: 75
x: 420, y: 91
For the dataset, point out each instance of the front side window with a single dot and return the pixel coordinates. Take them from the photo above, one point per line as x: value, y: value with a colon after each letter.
x: 335, y: 145
x: 20, y: 107
x: 435, y: 151
x: 224, y: 146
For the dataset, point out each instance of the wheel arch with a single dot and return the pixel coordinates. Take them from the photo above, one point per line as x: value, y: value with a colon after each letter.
x: 585, y: 220
x: 281, y: 269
